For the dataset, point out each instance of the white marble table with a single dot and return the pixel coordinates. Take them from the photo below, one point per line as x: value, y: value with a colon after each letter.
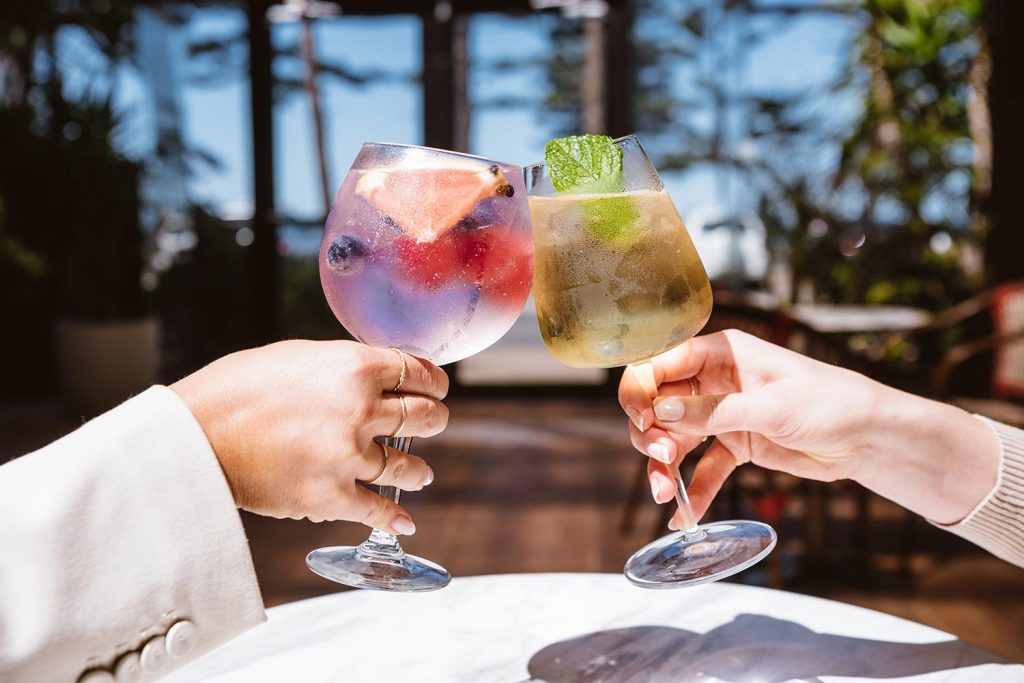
x: 577, y: 628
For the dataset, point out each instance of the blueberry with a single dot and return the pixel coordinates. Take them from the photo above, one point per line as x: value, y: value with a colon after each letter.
x: 345, y: 255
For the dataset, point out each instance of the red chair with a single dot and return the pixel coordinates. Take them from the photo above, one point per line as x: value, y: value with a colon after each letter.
x: 1005, y: 304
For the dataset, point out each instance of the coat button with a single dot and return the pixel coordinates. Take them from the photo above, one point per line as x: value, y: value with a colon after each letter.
x: 128, y: 668
x: 97, y: 676
x: 154, y: 655
x: 181, y: 638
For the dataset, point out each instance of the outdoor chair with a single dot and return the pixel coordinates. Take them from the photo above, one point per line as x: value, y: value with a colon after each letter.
x: 1005, y: 396
x: 1001, y: 392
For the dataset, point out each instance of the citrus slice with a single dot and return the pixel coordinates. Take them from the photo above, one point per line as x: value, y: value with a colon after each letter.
x: 425, y: 203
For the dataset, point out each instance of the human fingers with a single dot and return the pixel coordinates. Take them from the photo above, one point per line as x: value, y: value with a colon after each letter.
x: 758, y: 410
x: 635, y: 400
x: 420, y: 376
x: 386, y: 466
x: 408, y: 415
x: 654, y: 443
x: 730, y: 359
x: 715, y: 466
x: 377, y: 512
x: 662, y: 481
x: 663, y: 446
x: 711, y: 356
x: 700, y: 355
x: 659, y: 474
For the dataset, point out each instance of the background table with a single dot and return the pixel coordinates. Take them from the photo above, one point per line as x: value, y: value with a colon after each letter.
x: 849, y: 318
x: 564, y: 628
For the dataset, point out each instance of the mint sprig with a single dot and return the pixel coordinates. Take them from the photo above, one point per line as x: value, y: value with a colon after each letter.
x: 584, y: 164
x: 592, y: 164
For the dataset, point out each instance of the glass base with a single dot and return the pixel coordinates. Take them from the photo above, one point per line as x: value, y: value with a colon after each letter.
x: 398, y: 572
x: 714, y: 551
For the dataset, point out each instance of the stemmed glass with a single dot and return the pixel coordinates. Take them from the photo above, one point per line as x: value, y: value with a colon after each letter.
x: 429, y: 252
x: 617, y: 281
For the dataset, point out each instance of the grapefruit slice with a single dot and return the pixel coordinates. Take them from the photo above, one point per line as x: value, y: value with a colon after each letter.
x: 425, y: 203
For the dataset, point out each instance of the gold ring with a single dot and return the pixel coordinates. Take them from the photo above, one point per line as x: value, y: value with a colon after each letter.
x: 405, y: 414
x: 405, y: 368
x: 383, y: 464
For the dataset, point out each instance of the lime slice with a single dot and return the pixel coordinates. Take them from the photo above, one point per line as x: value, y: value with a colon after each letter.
x: 613, y: 219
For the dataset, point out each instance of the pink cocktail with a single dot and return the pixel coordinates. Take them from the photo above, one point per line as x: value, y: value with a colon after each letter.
x: 430, y: 252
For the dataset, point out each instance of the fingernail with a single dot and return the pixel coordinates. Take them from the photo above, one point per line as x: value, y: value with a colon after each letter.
x: 430, y: 477
x: 656, y: 489
x: 672, y: 524
x: 636, y: 416
x: 669, y: 410
x: 403, y: 526
x: 659, y: 452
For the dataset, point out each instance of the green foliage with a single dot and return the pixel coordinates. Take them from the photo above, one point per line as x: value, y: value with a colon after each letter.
x: 904, y: 172
x: 203, y: 304
x: 70, y: 243
x: 906, y: 169
x: 562, y: 105
x: 71, y: 228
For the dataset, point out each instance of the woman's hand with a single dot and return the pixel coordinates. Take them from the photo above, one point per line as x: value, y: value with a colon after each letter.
x: 786, y: 412
x: 293, y: 424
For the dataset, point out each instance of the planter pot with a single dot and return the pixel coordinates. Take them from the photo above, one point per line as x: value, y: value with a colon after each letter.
x: 103, y: 363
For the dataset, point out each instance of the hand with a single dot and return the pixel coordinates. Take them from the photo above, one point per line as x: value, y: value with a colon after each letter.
x: 293, y: 424
x: 780, y: 410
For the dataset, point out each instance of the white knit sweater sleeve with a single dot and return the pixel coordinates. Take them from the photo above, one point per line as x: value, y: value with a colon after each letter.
x: 997, y: 523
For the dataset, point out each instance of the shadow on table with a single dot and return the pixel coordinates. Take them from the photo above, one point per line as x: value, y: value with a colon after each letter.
x: 749, y: 648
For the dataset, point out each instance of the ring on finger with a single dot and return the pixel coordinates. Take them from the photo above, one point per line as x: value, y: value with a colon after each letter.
x: 383, y: 464
x: 405, y: 368
x: 405, y: 415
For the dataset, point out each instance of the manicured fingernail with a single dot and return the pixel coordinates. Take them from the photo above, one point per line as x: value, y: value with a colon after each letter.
x: 636, y: 416
x: 672, y: 524
x: 430, y: 477
x: 668, y: 409
x: 403, y: 526
x: 656, y: 489
x: 659, y: 452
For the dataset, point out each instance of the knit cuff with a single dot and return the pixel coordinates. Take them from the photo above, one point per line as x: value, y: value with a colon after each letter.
x: 997, y: 522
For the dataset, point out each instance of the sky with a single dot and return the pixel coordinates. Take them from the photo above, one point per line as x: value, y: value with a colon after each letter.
x: 215, y: 118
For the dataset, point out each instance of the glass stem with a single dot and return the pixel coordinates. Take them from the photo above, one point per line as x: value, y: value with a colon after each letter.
x: 382, y: 544
x: 644, y: 374
x: 683, y: 501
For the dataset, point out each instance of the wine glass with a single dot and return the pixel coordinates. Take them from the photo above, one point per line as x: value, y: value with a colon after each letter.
x: 617, y: 280
x: 429, y: 252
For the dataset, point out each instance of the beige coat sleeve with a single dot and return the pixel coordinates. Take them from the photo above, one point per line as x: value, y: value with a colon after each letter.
x: 121, y: 550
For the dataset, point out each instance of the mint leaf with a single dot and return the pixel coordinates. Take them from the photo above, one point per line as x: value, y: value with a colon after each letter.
x: 584, y: 163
